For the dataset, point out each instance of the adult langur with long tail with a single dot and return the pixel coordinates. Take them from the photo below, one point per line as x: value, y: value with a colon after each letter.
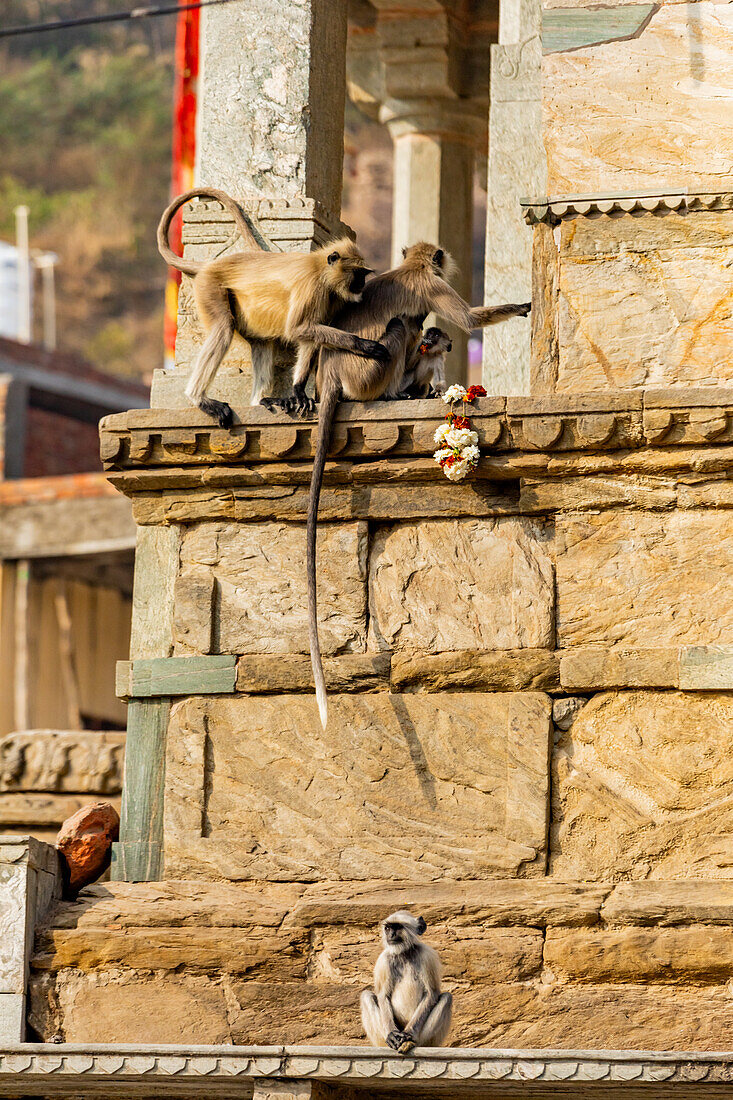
x: 268, y: 298
x: 392, y: 309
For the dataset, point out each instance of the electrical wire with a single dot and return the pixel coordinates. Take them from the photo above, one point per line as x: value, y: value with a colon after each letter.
x: 114, y: 17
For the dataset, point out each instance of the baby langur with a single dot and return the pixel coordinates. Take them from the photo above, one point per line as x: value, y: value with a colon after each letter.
x: 425, y: 368
x: 406, y: 1008
x: 269, y: 298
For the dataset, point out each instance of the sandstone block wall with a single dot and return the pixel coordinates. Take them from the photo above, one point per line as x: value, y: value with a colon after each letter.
x: 536, y: 685
x: 637, y: 96
x: 530, y: 964
x: 632, y: 293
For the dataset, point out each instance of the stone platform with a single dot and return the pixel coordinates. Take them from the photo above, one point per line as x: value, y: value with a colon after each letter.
x: 529, y: 737
x: 299, y: 1073
x: 530, y: 963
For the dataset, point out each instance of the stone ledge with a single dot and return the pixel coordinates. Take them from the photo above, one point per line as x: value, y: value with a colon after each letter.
x: 179, y: 903
x: 690, y: 668
x: 577, y: 668
x: 552, y: 211
x: 102, y: 1069
x: 562, y: 424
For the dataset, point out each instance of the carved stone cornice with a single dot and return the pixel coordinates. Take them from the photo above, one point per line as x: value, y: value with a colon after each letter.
x: 553, y: 211
x: 521, y: 426
x: 67, y: 1070
x: 61, y: 761
x: 285, y: 224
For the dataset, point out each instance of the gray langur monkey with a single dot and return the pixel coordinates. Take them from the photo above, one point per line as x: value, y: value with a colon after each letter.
x: 406, y: 1009
x: 425, y: 369
x: 392, y: 310
x: 269, y: 298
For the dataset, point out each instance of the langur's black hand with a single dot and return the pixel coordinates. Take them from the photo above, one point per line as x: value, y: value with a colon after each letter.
x: 525, y: 308
x: 395, y: 1039
x: 372, y: 349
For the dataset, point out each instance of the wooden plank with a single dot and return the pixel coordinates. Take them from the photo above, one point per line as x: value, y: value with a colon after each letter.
x: 22, y: 645
x: 139, y: 855
x: 706, y: 668
x: 66, y: 655
x: 146, y: 679
x: 576, y: 28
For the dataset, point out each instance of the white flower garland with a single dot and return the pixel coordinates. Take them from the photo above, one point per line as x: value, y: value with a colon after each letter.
x: 458, y: 452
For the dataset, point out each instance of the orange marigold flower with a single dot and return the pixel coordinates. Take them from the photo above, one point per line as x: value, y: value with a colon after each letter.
x: 474, y: 392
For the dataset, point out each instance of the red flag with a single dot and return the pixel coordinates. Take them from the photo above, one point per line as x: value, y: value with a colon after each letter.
x: 184, y: 151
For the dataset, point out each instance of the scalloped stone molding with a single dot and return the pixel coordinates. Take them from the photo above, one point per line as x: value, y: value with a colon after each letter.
x: 64, y: 1070
x: 551, y: 211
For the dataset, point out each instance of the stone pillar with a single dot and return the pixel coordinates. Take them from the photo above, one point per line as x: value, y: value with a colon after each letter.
x: 434, y: 155
x: 271, y: 99
x: 29, y: 880
x: 426, y: 64
x: 267, y: 1088
x: 517, y: 167
x: 270, y: 133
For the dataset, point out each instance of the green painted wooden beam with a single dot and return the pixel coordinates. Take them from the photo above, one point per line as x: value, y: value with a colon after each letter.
x: 138, y: 857
x: 575, y: 28
x: 148, y: 678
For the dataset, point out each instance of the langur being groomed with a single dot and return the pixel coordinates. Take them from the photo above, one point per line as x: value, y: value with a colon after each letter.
x: 406, y: 1008
x: 267, y: 297
x: 392, y: 310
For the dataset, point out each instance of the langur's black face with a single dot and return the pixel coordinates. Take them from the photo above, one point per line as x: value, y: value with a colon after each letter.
x: 435, y: 336
x: 394, y: 933
x: 358, y: 279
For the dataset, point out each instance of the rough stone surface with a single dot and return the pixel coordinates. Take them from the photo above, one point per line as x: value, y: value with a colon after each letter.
x: 427, y: 787
x: 517, y: 166
x: 278, y: 673
x: 255, y: 139
x: 196, y: 1008
x: 595, y: 667
x: 642, y: 788
x: 465, y: 584
x: 566, y: 710
x: 660, y: 285
x: 644, y: 579
x: 85, y: 842
x: 634, y: 954
x: 198, y: 904
x: 504, y: 670
x: 251, y: 578
x: 663, y: 122
x: 679, y: 902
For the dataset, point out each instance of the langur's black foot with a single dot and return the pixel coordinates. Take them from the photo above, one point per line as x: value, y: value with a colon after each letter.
x: 270, y: 403
x: 218, y: 411
x: 299, y: 404
x: 407, y: 1044
x: 307, y: 409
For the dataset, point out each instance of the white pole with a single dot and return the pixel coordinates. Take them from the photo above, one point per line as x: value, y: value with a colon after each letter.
x: 24, y: 274
x: 46, y: 263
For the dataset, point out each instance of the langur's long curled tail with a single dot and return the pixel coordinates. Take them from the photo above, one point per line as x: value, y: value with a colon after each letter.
x: 326, y: 409
x: 189, y: 267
